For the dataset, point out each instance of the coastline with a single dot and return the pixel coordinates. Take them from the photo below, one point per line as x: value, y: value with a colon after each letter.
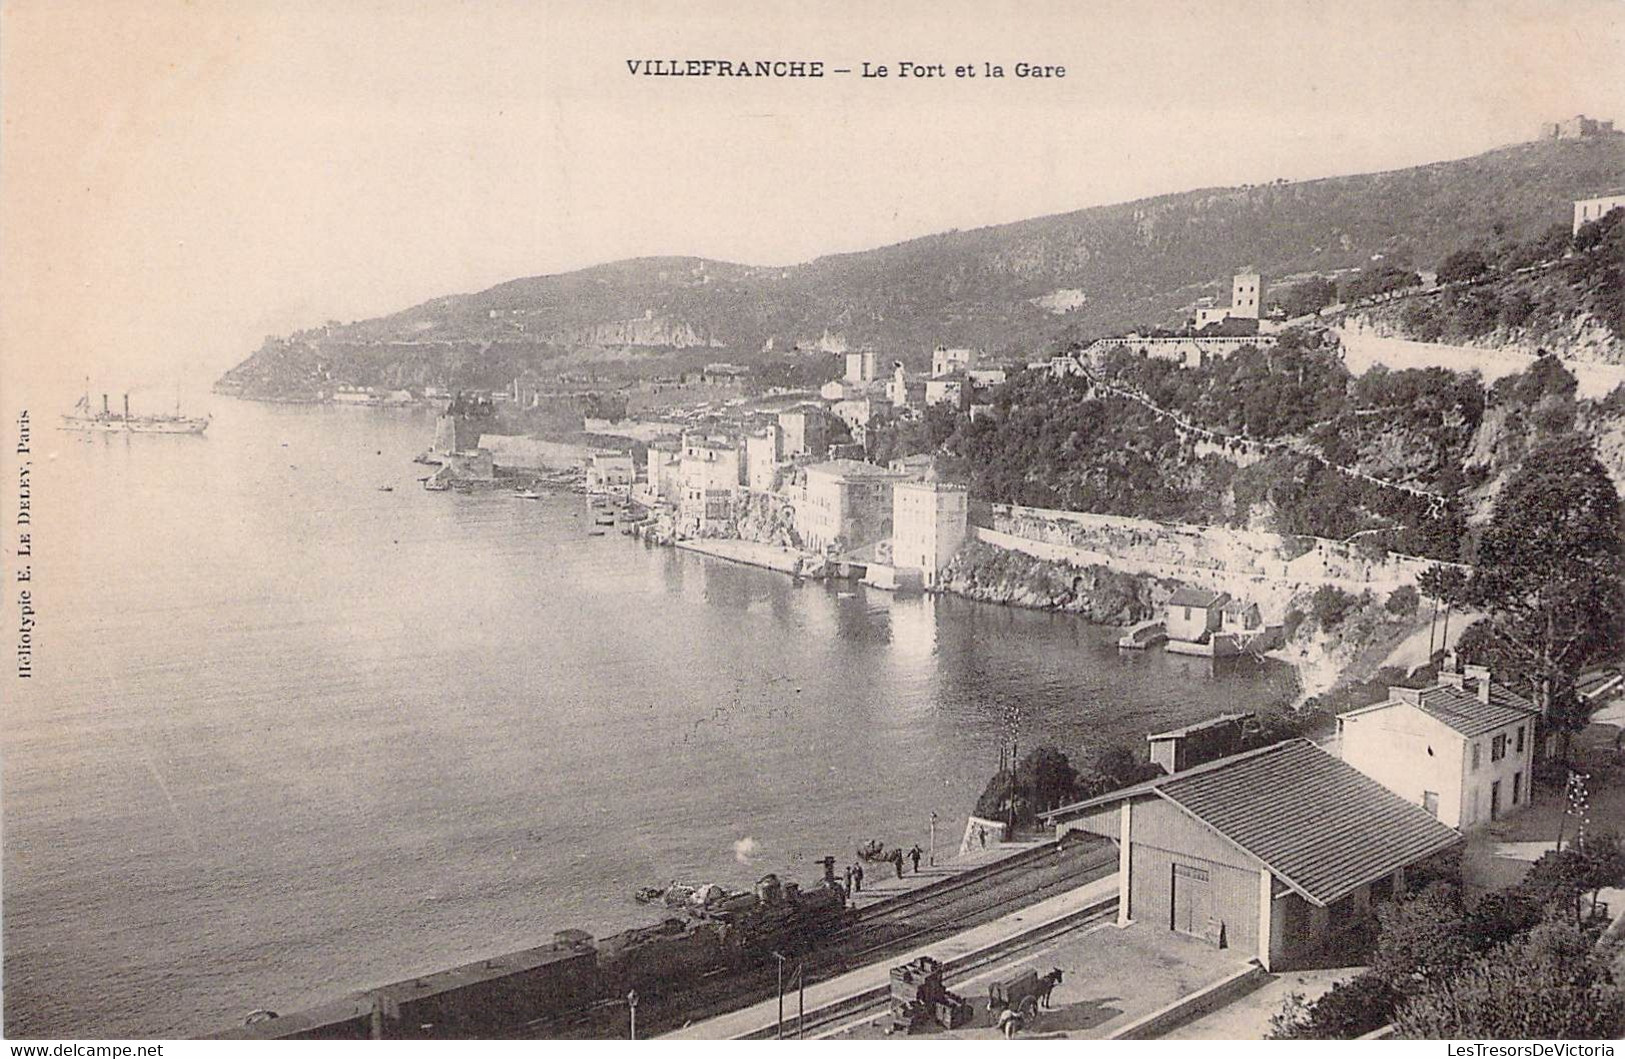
x: 751, y: 553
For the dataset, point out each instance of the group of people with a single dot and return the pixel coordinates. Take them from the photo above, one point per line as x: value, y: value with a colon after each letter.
x: 854, y: 871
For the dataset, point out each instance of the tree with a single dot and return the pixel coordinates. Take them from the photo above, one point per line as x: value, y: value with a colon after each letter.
x: 1424, y: 936
x: 1044, y: 779
x: 1447, y: 585
x: 1550, y: 573
x: 1111, y: 768
x: 1348, y: 1010
x: 1549, y: 984
x: 1462, y: 266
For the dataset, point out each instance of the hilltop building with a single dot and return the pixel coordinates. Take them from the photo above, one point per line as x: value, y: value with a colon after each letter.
x: 1271, y: 853
x: 1587, y: 210
x: 945, y: 361
x: 862, y: 366
x: 1463, y: 749
x: 1246, y: 296
x: 1578, y: 127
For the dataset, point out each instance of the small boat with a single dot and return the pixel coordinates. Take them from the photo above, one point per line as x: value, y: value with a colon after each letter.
x: 527, y: 494
x: 435, y: 487
x: 595, y: 533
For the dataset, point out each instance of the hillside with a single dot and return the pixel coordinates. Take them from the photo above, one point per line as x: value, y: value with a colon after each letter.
x: 1012, y: 288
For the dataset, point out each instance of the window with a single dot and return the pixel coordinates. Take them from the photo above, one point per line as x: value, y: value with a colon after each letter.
x: 1517, y: 786
x: 1520, y: 739
x: 1477, y: 747
x: 1498, y: 747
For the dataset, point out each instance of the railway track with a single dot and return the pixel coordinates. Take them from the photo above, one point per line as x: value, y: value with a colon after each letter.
x: 890, y: 927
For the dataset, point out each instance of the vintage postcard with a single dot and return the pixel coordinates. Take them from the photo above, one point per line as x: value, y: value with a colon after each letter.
x: 939, y: 521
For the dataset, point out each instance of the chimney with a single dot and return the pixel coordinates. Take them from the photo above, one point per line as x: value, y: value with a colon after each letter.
x: 104, y: 404
x: 1481, y: 676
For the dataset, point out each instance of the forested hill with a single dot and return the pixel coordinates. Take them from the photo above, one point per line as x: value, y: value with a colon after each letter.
x: 1013, y: 288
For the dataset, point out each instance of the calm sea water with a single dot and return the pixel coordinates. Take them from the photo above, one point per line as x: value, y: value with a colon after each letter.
x: 291, y: 735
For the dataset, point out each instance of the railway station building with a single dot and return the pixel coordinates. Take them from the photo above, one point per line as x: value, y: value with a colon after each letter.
x: 1273, y: 852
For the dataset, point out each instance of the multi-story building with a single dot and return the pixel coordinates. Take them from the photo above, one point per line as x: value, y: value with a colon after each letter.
x: 712, y: 473
x: 928, y: 526
x: 945, y: 361
x: 945, y: 389
x: 1246, y: 297
x: 664, y: 478
x: 806, y: 431
x: 763, y: 452
x: 1463, y: 749
x: 862, y: 366
x: 846, y: 504
x: 1586, y: 210
x: 611, y: 472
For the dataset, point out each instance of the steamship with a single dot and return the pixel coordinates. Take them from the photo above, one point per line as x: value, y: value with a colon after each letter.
x: 84, y: 418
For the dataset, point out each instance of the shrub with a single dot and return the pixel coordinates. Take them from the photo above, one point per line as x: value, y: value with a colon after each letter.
x: 1348, y: 1010
x: 1330, y: 605
x: 1402, y: 601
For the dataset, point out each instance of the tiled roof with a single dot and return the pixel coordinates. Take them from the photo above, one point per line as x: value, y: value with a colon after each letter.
x: 1460, y: 708
x: 853, y: 469
x: 1321, y: 825
x: 1211, y: 722
x: 1197, y: 597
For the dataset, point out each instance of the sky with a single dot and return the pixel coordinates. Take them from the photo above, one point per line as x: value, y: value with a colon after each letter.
x: 180, y: 179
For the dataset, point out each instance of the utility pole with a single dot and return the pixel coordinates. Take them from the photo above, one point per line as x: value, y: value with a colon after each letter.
x: 933, y: 861
x: 632, y: 1010
x: 801, y: 1001
x: 780, y: 957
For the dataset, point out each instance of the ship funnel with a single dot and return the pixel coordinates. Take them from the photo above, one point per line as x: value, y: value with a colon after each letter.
x: 126, y: 406
x: 104, y: 404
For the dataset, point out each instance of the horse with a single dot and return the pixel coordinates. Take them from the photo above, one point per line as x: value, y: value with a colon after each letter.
x: 1046, y: 986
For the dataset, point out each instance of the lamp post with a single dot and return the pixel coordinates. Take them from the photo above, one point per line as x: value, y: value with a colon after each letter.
x: 780, y: 957
x: 632, y: 1010
x: 933, y: 838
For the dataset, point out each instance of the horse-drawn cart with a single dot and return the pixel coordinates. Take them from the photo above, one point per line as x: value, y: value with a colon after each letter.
x: 1022, y: 991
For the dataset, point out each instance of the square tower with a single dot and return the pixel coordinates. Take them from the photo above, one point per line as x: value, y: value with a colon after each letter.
x: 1246, y: 295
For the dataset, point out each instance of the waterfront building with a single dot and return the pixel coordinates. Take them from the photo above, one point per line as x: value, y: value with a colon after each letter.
x: 1463, y: 748
x: 1587, y: 210
x: 1273, y: 853
x: 929, y: 520
x: 712, y: 473
x: 664, y: 479
x: 611, y: 472
x: 1193, y: 613
x: 847, y: 504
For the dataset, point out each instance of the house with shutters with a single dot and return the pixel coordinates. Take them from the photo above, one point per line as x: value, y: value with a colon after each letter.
x: 1272, y: 853
x: 1463, y: 748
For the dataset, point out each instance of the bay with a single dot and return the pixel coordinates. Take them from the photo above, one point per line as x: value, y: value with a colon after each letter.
x: 291, y: 735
